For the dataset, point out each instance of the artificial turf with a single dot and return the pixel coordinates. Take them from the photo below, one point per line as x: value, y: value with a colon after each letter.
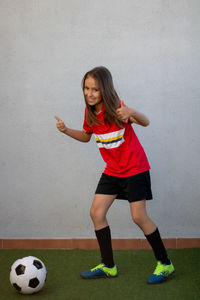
x: 64, y: 282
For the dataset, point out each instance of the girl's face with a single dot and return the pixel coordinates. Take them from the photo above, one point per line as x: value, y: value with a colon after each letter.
x: 92, y: 93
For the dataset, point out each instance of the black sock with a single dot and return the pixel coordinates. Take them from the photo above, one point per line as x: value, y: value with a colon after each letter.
x: 158, y: 247
x: 104, y: 239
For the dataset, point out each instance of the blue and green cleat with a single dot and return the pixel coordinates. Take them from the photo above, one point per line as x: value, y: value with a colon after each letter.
x: 161, y: 273
x: 100, y: 271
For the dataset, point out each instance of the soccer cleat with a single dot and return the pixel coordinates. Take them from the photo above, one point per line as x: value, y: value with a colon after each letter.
x: 100, y: 271
x: 161, y: 273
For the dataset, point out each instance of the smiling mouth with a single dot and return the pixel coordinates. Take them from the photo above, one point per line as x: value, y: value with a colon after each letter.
x: 90, y: 100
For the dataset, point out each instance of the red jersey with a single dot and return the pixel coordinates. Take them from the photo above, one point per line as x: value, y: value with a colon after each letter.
x: 119, y: 147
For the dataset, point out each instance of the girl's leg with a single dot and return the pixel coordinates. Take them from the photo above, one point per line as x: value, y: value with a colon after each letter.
x: 164, y: 266
x: 140, y: 217
x: 98, y: 211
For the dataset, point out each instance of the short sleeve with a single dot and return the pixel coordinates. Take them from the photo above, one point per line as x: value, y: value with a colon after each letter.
x: 86, y: 127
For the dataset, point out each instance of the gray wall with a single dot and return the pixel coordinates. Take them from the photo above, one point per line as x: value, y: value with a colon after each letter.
x: 153, y: 51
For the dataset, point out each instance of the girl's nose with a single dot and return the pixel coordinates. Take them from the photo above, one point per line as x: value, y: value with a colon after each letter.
x: 89, y: 93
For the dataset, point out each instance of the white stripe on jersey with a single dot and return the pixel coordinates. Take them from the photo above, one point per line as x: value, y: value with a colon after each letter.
x: 110, y: 140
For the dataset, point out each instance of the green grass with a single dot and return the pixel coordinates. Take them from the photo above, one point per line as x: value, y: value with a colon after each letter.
x: 64, y: 282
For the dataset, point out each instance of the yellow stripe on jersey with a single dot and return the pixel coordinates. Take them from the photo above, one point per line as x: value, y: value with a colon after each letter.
x: 110, y: 140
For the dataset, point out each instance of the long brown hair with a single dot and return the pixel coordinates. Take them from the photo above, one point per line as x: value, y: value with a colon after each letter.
x: 109, y: 97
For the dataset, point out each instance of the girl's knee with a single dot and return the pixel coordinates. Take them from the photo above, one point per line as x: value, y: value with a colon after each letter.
x: 139, y: 219
x: 92, y: 213
x: 136, y: 219
x: 96, y: 214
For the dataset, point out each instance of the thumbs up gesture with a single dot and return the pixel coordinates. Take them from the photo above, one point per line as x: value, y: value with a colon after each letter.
x: 60, y: 124
x: 123, y: 112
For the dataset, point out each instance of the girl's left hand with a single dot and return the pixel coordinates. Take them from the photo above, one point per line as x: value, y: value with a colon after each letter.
x: 123, y: 112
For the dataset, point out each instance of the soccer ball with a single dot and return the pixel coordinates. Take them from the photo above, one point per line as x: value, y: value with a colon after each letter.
x: 28, y: 275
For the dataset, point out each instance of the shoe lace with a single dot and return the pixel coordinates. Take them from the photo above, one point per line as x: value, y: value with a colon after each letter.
x: 160, y: 269
x: 98, y: 267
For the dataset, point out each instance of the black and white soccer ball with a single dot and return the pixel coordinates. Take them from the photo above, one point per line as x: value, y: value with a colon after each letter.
x: 28, y: 275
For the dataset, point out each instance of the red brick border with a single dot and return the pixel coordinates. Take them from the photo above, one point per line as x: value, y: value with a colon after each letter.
x: 86, y: 244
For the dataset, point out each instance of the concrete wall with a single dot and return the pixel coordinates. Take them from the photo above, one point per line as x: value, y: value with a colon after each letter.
x: 153, y: 51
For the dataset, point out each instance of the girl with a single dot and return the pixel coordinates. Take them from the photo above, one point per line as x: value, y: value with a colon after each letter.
x: 126, y: 175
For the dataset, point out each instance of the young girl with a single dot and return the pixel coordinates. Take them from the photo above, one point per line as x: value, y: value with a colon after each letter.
x: 126, y: 175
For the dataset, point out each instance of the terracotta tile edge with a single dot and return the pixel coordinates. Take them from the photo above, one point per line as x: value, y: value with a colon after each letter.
x: 188, y: 243
x: 87, y: 244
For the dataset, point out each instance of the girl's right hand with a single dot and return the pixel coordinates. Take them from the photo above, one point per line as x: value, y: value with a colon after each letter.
x: 60, y: 124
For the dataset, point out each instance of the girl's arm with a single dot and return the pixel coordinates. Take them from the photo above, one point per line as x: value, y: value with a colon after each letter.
x: 79, y: 135
x: 126, y: 113
x: 138, y: 118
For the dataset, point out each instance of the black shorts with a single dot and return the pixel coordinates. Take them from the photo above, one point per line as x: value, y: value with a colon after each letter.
x: 133, y: 188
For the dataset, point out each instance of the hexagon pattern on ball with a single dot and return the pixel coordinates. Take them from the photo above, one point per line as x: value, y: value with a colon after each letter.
x: 28, y: 275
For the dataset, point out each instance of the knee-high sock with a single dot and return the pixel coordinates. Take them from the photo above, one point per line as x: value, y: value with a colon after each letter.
x: 158, y: 247
x: 104, y: 239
